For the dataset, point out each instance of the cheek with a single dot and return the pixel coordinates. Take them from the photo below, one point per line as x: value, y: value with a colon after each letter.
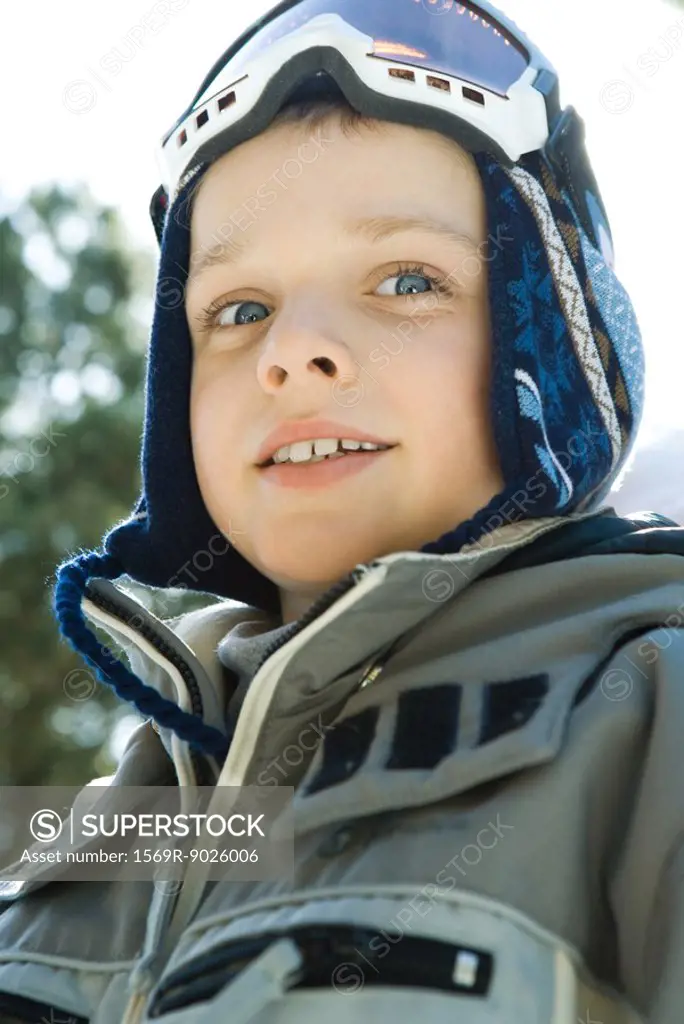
x: 445, y: 373
x: 444, y: 386
x: 211, y: 426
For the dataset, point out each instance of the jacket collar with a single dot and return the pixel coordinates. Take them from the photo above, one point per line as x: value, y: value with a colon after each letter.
x: 178, y: 657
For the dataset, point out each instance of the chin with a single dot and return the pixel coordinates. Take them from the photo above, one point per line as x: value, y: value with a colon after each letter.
x: 308, y: 563
x: 296, y: 573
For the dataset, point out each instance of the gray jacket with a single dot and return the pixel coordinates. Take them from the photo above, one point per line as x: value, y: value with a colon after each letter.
x: 486, y: 753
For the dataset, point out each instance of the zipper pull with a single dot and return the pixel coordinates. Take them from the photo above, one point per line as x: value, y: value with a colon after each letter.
x: 373, y: 668
x: 360, y: 571
x: 375, y: 665
x: 369, y: 677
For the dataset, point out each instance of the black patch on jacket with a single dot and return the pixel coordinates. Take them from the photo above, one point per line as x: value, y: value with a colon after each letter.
x: 427, y: 723
x: 345, y: 748
x: 509, y: 706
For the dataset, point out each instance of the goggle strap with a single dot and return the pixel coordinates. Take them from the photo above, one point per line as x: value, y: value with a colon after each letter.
x: 566, y: 152
x: 158, y: 207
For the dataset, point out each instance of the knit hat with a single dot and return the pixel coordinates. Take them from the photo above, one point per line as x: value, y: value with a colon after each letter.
x: 566, y: 399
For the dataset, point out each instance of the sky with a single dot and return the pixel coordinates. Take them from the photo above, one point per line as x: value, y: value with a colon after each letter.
x: 88, y: 96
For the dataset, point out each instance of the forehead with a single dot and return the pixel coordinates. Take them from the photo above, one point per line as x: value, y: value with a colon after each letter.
x: 291, y: 176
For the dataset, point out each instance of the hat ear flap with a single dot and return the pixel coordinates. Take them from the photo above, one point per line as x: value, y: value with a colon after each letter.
x: 567, y: 359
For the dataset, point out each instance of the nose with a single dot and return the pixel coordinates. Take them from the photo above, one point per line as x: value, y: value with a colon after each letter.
x: 304, y: 354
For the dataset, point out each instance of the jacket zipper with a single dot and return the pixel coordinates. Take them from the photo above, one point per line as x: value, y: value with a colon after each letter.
x: 195, y: 879
x: 187, y: 902
x: 320, y: 605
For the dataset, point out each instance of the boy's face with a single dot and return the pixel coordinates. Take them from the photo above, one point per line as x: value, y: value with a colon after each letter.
x: 323, y: 323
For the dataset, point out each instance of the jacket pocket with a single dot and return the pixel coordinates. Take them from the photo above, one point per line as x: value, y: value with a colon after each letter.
x: 318, y: 951
x: 65, y: 948
x: 410, y: 746
x: 19, y: 1010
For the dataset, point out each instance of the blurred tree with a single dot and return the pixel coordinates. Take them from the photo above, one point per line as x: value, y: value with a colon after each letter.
x: 72, y: 344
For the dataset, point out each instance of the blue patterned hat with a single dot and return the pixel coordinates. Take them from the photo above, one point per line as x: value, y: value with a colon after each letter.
x: 568, y: 376
x: 566, y: 400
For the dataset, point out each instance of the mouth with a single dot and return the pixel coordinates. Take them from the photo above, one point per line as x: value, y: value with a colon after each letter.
x: 323, y: 471
x: 309, y: 453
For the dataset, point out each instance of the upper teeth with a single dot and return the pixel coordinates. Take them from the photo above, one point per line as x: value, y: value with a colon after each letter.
x: 304, y: 451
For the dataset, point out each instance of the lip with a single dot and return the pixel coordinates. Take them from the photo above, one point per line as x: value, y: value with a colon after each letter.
x: 308, y: 430
x: 321, y: 474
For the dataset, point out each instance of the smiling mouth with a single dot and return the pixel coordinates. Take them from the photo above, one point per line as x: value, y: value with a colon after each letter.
x: 301, y: 456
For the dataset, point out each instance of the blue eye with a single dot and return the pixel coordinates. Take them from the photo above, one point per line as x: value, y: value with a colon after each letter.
x: 412, y: 276
x: 209, y: 320
x: 411, y: 282
x: 414, y: 279
x: 245, y: 313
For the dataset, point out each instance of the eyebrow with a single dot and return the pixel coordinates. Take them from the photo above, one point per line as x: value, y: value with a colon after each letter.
x: 377, y: 229
x: 374, y: 229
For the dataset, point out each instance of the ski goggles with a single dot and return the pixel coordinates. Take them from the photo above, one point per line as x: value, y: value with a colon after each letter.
x: 462, y: 69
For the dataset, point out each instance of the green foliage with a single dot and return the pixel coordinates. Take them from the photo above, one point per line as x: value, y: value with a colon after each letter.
x: 72, y: 344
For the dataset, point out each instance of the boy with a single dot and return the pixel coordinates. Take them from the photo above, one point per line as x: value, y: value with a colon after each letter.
x: 382, y: 416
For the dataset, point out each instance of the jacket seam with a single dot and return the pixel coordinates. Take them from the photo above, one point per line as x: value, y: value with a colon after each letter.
x: 48, y: 960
